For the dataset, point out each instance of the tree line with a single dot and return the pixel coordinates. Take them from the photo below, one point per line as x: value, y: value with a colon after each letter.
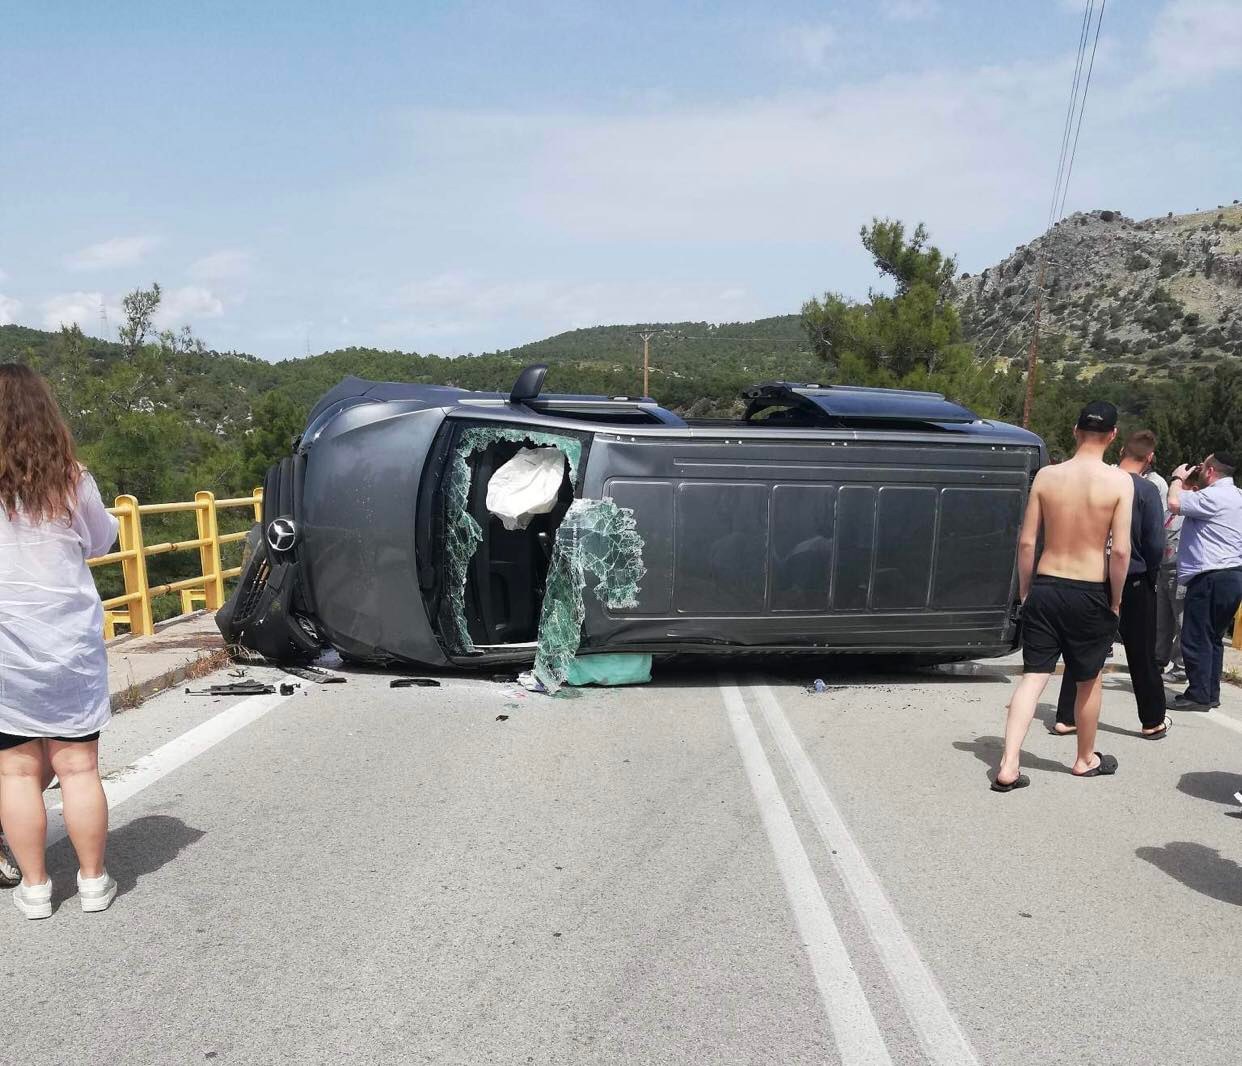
x: 159, y: 415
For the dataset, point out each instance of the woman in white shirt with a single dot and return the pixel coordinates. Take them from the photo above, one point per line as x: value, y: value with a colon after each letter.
x: 53, y: 668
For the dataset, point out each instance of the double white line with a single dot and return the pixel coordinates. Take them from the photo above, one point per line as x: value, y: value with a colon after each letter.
x: 853, y: 1024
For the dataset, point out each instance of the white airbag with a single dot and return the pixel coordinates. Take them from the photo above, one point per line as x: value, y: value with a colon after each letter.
x: 527, y: 485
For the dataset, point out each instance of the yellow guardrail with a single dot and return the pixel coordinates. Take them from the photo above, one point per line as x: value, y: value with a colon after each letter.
x: 133, y: 607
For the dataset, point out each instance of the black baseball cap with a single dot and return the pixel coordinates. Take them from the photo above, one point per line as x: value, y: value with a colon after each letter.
x: 1099, y: 416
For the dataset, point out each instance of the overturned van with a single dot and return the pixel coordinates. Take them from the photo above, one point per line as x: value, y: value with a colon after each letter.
x: 826, y: 520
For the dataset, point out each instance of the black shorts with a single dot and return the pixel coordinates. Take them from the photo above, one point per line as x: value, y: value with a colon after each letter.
x: 11, y: 740
x: 1067, y: 618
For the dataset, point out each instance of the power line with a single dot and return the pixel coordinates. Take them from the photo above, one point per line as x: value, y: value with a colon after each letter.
x: 1069, y: 109
x: 1069, y: 170
x: 1065, y: 168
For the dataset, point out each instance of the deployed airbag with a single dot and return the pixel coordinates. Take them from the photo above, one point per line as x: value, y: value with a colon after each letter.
x: 527, y: 485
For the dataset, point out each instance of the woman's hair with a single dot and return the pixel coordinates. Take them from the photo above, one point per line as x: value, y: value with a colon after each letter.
x: 38, y: 468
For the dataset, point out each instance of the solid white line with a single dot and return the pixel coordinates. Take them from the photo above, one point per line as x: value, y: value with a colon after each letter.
x: 164, y: 760
x: 942, y: 1038
x: 1225, y: 720
x: 853, y: 1025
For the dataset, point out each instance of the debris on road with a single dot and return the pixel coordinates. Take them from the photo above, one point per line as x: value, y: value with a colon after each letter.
x: 531, y: 683
x: 315, y: 674
x: 234, y: 688
x: 502, y: 717
x: 413, y: 682
x: 611, y: 668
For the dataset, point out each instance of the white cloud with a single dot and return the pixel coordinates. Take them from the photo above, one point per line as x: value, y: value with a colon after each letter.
x: 957, y: 149
x: 9, y: 308
x: 229, y: 264
x: 117, y: 252
x: 909, y: 10
x: 1195, y: 40
x: 458, y: 301
x: 807, y: 44
x: 85, y: 309
x: 181, y: 306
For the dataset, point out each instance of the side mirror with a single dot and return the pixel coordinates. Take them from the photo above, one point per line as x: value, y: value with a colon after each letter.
x: 529, y: 383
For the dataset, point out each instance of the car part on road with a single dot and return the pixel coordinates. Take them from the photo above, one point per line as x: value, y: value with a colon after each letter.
x: 234, y: 688
x: 413, y: 682
x: 315, y: 674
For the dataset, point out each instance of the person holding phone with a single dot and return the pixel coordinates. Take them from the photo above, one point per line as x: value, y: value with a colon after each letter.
x: 1209, y: 564
x: 53, y: 668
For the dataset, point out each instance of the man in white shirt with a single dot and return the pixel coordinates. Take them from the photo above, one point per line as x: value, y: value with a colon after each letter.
x: 1209, y: 564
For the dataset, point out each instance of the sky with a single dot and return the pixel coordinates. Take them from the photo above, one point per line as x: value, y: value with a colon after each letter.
x: 465, y: 177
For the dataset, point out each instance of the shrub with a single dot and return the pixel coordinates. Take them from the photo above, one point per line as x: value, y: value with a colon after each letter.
x: 1108, y: 216
x: 1137, y: 261
x: 1169, y: 264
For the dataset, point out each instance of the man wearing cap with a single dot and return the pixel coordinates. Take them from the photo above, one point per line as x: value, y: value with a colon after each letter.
x: 1070, y: 606
x: 1209, y: 564
x: 1138, y: 601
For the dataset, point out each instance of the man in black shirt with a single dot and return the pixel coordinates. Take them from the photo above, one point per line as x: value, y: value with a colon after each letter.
x: 1138, y: 599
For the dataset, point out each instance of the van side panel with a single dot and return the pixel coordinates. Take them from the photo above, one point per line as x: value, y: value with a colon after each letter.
x: 849, y: 545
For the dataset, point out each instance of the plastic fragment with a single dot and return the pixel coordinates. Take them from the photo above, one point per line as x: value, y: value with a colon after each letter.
x: 595, y: 538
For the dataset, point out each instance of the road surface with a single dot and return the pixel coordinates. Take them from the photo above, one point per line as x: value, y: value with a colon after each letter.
x: 709, y: 869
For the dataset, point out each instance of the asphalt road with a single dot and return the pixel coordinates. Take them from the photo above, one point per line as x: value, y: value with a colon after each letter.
x: 708, y: 869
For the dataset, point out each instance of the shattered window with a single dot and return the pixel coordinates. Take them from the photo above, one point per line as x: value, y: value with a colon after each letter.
x: 598, y: 538
x: 463, y: 533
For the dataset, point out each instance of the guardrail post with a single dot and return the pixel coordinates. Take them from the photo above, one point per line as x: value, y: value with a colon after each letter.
x: 134, y: 568
x: 258, y: 504
x: 1237, y: 629
x: 209, y: 553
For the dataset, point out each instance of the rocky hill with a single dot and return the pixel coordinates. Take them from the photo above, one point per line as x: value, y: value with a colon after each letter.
x: 1155, y: 296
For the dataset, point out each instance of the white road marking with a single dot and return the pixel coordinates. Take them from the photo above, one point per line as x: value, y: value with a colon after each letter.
x: 942, y: 1038
x: 165, y: 759
x: 853, y: 1025
x: 1225, y: 720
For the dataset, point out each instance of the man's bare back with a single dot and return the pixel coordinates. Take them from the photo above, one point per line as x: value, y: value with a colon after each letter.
x: 1079, y: 503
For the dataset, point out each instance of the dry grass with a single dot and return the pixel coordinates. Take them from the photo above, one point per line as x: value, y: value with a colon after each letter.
x: 133, y: 696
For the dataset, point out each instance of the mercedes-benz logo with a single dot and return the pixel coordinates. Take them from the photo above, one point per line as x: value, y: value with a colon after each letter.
x: 282, y: 534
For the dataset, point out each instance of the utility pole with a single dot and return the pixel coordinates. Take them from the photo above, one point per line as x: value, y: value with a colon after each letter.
x: 1032, y: 355
x: 646, y: 335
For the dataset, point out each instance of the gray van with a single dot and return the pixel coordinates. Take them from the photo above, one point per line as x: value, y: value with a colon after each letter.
x: 825, y: 520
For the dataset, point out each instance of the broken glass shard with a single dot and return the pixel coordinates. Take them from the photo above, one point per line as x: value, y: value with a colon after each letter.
x: 598, y: 539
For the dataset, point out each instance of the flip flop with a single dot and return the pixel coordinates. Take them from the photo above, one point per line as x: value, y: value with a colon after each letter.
x: 1021, y: 781
x: 1057, y: 733
x: 1164, y: 732
x: 1106, y: 768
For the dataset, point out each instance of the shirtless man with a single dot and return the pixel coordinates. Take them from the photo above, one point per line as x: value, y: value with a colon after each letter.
x: 1070, y: 606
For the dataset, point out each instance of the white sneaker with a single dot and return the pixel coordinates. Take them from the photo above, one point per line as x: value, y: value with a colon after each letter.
x: 34, y: 901
x: 97, y: 893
